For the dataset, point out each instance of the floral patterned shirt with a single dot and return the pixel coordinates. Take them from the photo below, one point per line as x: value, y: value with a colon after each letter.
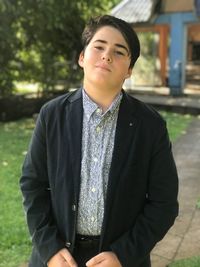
x: 98, y: 137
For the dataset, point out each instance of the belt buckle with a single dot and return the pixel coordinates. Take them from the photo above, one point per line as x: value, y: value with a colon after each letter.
x: 87, y: 240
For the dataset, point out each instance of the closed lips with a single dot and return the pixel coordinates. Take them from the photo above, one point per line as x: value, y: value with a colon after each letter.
x: 104, y: 67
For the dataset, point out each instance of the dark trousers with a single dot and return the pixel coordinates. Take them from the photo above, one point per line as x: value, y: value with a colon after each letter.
x: 84, y: 250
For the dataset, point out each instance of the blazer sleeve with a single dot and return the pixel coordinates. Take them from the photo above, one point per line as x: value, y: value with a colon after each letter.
x: 160, y: 209
x: 37, y: 196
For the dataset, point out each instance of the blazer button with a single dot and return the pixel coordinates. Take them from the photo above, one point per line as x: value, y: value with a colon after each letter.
x: 68, y: 244
x: 74, y: 207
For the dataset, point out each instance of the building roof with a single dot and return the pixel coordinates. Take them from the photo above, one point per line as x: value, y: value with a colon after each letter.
x: 135, y: 11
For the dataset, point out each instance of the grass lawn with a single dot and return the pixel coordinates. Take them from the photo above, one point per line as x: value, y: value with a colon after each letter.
x: 15, y: 243
x: 198, y: 205
x: 176, y: 123
x: 14, y: 240
x: 191, y: 262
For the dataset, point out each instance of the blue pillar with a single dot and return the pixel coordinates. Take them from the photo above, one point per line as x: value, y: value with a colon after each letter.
x: 176, y: 54
x: 178, y: 46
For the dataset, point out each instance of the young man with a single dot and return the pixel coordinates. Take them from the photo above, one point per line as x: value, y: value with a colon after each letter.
x: 99, y: 180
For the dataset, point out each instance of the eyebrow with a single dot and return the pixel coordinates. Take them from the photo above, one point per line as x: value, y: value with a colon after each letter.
x: 118, y: 45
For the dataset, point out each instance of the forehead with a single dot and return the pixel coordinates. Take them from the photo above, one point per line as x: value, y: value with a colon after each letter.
x: 109, y: 34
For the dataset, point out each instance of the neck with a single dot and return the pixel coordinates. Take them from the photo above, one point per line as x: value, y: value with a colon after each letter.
x: 103, y: 97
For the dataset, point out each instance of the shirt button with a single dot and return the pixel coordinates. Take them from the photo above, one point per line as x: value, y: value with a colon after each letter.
x: 68, y: 244
x: 95, y: 159
x: 98, y: 110
x: 74, y: 207
x: 92, y: 219
x: 98, y: 129
x: 93, y: 189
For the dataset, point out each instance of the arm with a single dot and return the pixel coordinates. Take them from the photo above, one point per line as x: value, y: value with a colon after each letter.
x: 34, y: 184
x: 160, y: 208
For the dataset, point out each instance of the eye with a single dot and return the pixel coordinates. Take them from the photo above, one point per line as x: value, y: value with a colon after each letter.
x: 99, y: 47
x: 120, y: 53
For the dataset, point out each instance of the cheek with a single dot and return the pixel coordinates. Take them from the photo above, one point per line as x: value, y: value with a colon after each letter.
x: 123, y: 68
x: 88, y: 57
x: 91, y: 55
x: 86, y: 60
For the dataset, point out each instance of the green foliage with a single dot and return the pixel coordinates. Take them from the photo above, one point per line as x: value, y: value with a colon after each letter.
x: 146, y: 71
x: 58, y: 43
x: 8, y: 45
x: 40, y: 40
x: 191, y: 262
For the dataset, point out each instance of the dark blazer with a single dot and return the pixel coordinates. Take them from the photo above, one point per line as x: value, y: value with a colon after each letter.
x: 141, y: 200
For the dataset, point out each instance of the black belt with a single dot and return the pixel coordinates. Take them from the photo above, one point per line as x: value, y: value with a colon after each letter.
x: 87, y: 241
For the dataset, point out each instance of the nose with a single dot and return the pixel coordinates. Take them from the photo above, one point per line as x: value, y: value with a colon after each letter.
x: 107, y: 57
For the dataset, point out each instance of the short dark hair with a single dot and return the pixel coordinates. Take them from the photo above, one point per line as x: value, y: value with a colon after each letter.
x: 125, y: 29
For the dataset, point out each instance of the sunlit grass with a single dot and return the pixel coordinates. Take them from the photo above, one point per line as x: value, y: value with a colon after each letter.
x: 190, y: 262
x: 198, y: 205
x: 176, y: 123
x: 14, y: 239
x: 26, y: 88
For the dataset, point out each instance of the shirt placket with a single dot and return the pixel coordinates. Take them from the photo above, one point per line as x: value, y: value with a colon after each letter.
x: 96, y: 173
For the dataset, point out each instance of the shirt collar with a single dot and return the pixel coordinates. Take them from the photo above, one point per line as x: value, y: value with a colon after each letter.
x: 90, y: 106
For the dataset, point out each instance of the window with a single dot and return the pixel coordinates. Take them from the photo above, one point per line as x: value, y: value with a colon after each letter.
x: 196, y: 51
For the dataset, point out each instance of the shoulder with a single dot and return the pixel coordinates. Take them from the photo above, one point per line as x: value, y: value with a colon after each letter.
x: 143, y: 111
x: 62, y: 100
x: 58, y: 104
x: 150, y: 123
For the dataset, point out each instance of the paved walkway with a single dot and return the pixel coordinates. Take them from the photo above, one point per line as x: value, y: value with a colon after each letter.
x: 183, y: 239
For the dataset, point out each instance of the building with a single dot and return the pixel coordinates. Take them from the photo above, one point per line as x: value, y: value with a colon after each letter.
x: 177, y: 23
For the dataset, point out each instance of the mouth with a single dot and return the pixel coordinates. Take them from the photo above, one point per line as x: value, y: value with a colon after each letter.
x: 103, y: 67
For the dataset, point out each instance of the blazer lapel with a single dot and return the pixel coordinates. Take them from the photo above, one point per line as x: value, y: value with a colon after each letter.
x: 74, y: 135
x: 125, y: 132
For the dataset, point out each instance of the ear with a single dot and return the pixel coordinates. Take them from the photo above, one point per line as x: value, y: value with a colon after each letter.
x: 130, y: 70
x: 81, y: 59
